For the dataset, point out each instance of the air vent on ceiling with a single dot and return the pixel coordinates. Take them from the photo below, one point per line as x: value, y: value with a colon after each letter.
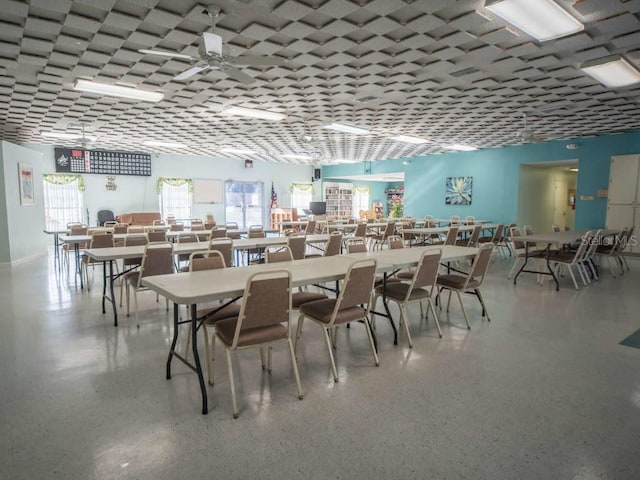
x: 464, y: 72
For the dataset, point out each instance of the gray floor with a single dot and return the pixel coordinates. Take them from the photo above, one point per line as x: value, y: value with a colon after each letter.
x: 544, y: 391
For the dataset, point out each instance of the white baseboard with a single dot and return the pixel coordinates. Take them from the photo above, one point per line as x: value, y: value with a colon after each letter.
x: 20, y: 261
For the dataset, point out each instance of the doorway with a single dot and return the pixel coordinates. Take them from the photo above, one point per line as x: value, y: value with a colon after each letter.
x: 546, y: 195
x: 243, y: 203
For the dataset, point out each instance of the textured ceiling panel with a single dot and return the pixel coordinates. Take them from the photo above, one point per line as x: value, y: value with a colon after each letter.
x: 447, y: 71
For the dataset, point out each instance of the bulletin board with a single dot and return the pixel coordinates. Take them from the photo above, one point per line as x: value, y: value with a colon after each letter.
x: 206, y: 190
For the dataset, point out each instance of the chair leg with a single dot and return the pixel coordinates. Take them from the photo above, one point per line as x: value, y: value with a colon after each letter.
x: 449, y: 300
x: 294, y: 364
x: 325, y: 331
x: 269, y: 349
x: 135, y: 306
x: 464, y: 312
x: 127, y: 286
x: 373, y: 346
x: 435, y: 315
x: 403, y: 319
x: 484, y: 306
x: 298, y: 332
x: 234, y: 402
x: 573, y: 277
x: 262, y: 360
x: 513, y: 268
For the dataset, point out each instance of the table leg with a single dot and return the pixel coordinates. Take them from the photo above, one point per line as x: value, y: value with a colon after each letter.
x: 112, y: 280
x: 176, y: 326
x: 78, y: 267
x: 196, y: 357
x: 386, y: 309
x: 555, y: 279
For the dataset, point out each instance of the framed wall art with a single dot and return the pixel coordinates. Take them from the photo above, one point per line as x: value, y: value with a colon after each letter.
x: 25, y: 181
x: 458, y: 191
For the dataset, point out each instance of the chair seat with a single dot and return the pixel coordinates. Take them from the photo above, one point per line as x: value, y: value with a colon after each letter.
x: 398, y: 291
x: 132, y: 277
x: 300, y: 298
x: 313, y: 255
x: 253, y: 336
x: 321, y: 310
x: 456, y: 281
x: 406, y: 275
x: 213, y: 314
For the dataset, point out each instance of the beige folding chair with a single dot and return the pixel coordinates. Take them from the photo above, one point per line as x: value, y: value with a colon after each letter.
x: 225, y: 247
x: 75, y: 229
x: 380, y: 239
x: 98, y: 240
x: 353, y: 304
x: 217, y: 232
x: 176, y: 227
x: 355, y: 245
x: 197, y: 225
x: 469, y: 282
x: 157, y: 260
x: 472, y: 241
x: 419, y: 289
x: 263, y: 321
x: 232, y: 230
x: 573, y: 260
x: 332, y: 248
x: 520, y: 252
x: 157, y: 236
x: 297, y: 243
x: 610, y: 249
x: 184, y: 257
x: 310, y: 229
x: 470, y: 220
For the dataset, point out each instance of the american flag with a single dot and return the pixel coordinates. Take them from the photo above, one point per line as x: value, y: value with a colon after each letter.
x: 274, y: 197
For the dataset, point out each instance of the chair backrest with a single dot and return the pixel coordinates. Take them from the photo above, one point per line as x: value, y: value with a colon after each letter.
x: 197, y: 226
x: 593, y: 242
x: 188, y: 238
x: 583, y: 247
x: 454, y: 220
x: 120, y: 228
x: 361, y: 229
x: 157, y: 235
x: 528, y: 230
x: 105, y: 216
x: 135, y: 229
x: 206, y: 260
x: 389, y: 230
x: 157, y: 260
x: 79, y: 230
x: 357, y: 286
x: 333, y: 245
x: 297, y: 243
x: 225, y: 247
x: 555, y: 228
x: 266, y: 302
x: 514, y: 233
x: 311, y: 227
x: 101, y: 240
x: 395, y: 241
x: 426, y: 274
x: 256, y: 232
x: 110, y: 223
x: 75, y: 224
x: 132, y: 240
x: 497, y: 233
x: 177, y: 227
x: 452, y: 234
x: 470, y: 220
x: 475, y: 235
x: 283, y: 254
x: 480, y: 264
x: 209, y: 225
x: 232, y: 226
x: 217, y: 233
x: 356, y: 245
x: 158, y: 222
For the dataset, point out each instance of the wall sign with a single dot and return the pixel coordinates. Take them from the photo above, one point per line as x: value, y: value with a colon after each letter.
x: 106, y: 162
x: 110, y: 184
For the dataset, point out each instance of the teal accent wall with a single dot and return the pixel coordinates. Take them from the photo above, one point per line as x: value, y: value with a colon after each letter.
x: 495, y: 173
x: 5, y: 251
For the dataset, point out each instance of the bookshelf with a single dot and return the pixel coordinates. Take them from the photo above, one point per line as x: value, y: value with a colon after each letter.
x: 395, y: 195
x: 339, y: 198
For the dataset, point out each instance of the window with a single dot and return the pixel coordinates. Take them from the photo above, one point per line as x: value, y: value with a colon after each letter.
x: 301, y: 196
x: 360, y: 199
x: 63, y: 200
x: 175, y: 197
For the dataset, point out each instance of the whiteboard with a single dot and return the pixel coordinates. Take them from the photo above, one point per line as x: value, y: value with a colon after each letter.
x: 207, y: 190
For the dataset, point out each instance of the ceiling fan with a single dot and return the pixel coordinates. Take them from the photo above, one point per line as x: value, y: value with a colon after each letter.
x: 211, y: 56
x: 527, y: 134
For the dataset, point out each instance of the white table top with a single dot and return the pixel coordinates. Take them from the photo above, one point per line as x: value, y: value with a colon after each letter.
x: 204, y: 286
x: 461, y: 228
x: 565, y: 237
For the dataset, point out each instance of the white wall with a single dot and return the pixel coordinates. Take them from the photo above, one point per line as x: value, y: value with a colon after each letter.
x: 24, y: 223
x: 138, y: 194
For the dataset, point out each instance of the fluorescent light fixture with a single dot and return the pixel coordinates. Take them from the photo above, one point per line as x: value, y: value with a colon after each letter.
x: 163, y: 53
x: 239, y: 151
x: 254, y: 113
x: 410, y: 139
x: 542, y: 19
x: 67, y: 136
x: 117, y: 91
x: 461, y: 148
x: 339, y: 127
x: 297, y: 156
x: 345, y: 160
x: 157, y: 143
x: 612, y: 71
x: 573, y: 169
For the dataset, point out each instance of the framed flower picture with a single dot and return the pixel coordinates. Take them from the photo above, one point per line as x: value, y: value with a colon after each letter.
x: 25, y: 181
x: 458, y: 191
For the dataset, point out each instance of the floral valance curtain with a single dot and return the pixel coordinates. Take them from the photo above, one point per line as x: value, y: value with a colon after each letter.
x: 174, y: 182
x: 302, y: 186
x: 64, y: 179
x: 361, y: 188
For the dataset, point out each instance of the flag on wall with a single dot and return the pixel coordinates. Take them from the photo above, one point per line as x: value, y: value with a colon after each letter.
x: 274, y: 197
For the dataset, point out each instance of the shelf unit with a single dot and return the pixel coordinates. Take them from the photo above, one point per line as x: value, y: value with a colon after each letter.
x: 339, y: 198
x: 392, y: 195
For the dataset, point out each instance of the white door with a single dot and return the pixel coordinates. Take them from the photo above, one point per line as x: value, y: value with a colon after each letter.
x: 623, y: 179
x: 244, y: 203
x: 561, y: 203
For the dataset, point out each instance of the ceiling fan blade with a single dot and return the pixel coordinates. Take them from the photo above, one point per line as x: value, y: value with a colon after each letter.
x: 212, y: 44
x: 238, y: 75
x: 165, y: 53
x: 257, y: 60
x: 191, y: 72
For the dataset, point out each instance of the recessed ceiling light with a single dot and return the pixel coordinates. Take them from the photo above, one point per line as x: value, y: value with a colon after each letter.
x: 254, y: 113
x: 297, y: 156
x: 542, y: 19
x: 613, y: 72
x: 157, y: 143
x: 239, y: 151
x: 67, y: 136
x: 339, y: 127
x: 410, y: 139
x: 461, y: 148
x: 117, y: 91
